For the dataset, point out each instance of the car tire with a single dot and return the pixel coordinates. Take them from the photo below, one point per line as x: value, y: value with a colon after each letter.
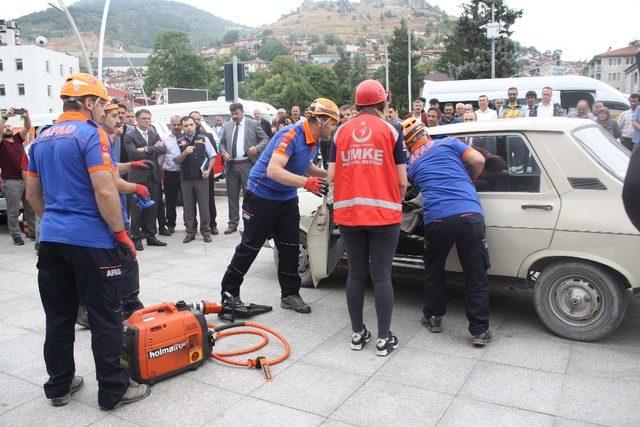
x: 579, y: 301
x: 304, y: 269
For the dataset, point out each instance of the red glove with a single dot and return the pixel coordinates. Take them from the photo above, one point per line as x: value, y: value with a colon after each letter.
x: 141, y: 164
x: 317, y: 186
x: 124, y: 246
x: 141, y: 191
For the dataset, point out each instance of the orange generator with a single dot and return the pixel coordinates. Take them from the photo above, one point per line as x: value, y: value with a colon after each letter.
x: 164, y: 340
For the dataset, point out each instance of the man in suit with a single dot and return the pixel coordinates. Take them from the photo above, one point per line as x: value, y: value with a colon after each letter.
x: 241, y: 144
x: 145, y: 144
x: 264, y: 123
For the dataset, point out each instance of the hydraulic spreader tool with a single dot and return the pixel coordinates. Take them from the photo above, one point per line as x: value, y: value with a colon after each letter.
x: 167, y: 339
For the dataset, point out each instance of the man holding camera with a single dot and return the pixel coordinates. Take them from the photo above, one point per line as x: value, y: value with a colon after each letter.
x: 11, y: 154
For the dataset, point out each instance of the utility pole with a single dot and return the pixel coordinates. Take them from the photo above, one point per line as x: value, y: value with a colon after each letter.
x: 493, y: 42
x: 103, y: 27
x: 235, y: 78
x: 63, y: 8
x: 409, y: 59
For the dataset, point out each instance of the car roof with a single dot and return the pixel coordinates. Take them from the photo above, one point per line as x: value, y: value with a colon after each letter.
x: 550, y: 124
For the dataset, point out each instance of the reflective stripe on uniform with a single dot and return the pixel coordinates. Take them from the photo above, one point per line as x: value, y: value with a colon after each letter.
x: 367, y: 202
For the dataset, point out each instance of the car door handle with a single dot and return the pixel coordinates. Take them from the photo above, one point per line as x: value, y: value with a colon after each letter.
x: 542, y: 207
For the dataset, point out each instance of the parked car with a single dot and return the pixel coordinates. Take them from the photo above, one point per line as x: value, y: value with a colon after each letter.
x: 551, y: 193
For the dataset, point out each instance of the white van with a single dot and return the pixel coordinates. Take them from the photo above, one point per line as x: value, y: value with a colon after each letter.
x: 208, y: 109
x: 567, y: 91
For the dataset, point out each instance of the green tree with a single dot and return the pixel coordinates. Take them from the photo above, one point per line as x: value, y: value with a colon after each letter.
x: 314, y: 38
x: 319, y: 49
x: 272, y: 48
x: 242, y: 54
x: 468, y: 51
x: 174, y: 63
x: 288, y: 83
x: 399, y: 68
x: 266, y: 34
x: 342, y: 67
x: 359, y: 73
x: 332, y: 40
x: 231, y: 36
x: 350, y: 72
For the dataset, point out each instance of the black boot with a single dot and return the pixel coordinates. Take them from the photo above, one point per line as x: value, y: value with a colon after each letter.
x: 153, y: 241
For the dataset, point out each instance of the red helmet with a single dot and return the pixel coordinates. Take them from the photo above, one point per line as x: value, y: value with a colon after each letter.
x: 370, y: 92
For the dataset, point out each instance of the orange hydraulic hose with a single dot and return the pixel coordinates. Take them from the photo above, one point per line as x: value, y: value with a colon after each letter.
x: 259, y: 330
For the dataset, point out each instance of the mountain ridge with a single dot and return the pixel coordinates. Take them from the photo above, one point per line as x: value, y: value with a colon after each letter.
x: 135, y: 23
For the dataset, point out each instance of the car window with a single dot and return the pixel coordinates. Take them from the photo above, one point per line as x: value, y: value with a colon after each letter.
x: 509, y: 165
x: 604, y: 149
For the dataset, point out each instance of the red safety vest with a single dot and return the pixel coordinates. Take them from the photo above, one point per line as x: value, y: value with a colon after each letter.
x: 366, y: 188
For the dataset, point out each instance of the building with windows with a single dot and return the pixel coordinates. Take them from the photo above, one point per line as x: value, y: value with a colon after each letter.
x: 632, y: 78
x: 610, y: 66
x: 31, y: 76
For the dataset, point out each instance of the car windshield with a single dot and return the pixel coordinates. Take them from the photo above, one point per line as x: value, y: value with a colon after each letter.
x: 604, y: 149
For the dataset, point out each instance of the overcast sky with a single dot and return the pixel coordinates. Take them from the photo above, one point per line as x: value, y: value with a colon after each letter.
x: 580, y: 28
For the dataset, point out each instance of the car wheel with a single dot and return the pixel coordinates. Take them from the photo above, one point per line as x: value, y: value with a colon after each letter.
x: 579, y: 301
x: 304, y: 269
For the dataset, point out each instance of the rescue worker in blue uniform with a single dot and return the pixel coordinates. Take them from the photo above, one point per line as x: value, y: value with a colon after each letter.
x: 270, y: 205
x: 444, y: 170
x: 83, y: 244
x: 130, y: 270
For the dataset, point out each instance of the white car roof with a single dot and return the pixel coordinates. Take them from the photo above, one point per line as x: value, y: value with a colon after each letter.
x: 550, y: 124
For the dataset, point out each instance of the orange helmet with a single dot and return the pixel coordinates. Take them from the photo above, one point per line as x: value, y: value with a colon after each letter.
x: 110, y: 106
x: 370, y: 92
x: 82, y: 84
x: 324, y: 107
x: 414, y: 131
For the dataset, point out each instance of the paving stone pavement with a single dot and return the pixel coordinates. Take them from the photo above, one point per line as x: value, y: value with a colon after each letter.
x: 527, y: 376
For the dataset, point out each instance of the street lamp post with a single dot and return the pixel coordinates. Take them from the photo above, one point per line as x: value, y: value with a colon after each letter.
x: 384, y: 40
x: 409, y: 59
x: 493, y: 32
x: 103, y: 27
x: 63, y: 8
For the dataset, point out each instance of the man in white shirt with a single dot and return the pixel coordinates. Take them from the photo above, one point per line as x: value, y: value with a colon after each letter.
x: 484, y: 113
x: 625, y: 122
x: 545, y: 108
x: 172, y: 172
x: 218, y: 127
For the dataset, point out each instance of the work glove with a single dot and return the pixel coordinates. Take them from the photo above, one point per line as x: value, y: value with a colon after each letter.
x: 124, y: 246
x: 317, y: 186
x: 142, y: 164
x: 142, y: 191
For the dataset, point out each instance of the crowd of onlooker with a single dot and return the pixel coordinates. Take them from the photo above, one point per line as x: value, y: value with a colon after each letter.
x: 166, y: 182
x: 435, y: 114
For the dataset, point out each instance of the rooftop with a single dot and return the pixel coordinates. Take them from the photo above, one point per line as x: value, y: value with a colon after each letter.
x: 625, y: 51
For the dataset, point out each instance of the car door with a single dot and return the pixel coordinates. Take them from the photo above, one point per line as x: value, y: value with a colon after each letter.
x: 521, y: 206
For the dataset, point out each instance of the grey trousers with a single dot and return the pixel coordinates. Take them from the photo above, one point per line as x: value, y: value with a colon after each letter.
x: 14, y: 194
x: 237, y: 174
x: 195, y: 191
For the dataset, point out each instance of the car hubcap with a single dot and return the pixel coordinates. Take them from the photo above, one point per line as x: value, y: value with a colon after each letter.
x: 576, y: 301
x: 303, y: 261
